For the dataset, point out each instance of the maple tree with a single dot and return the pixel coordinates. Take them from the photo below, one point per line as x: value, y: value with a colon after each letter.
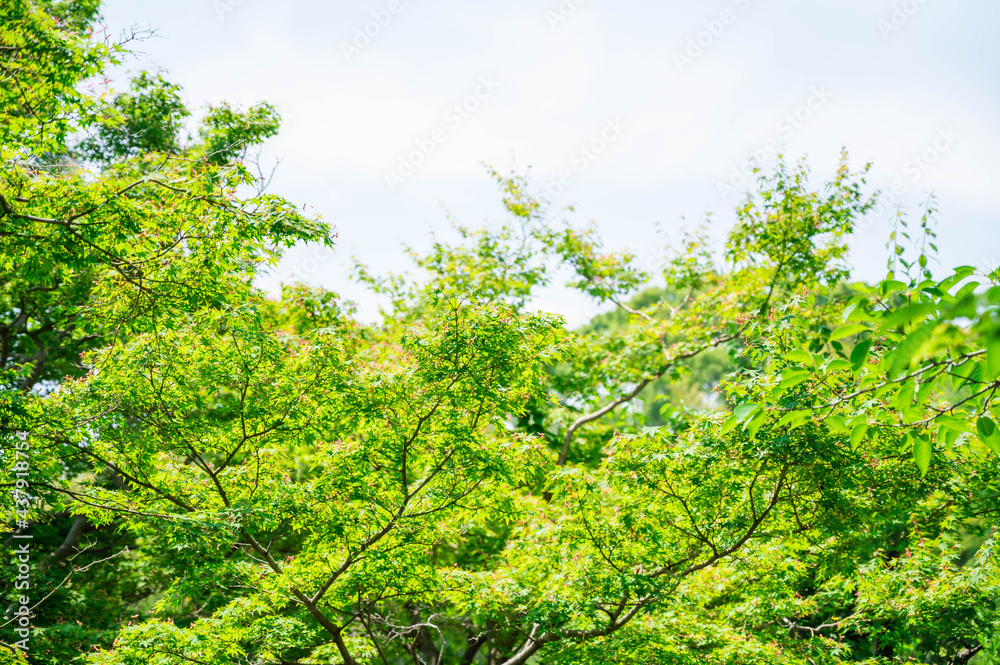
x: 222, y: 477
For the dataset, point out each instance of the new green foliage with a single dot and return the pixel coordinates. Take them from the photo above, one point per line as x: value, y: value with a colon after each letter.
x: 748, y: 459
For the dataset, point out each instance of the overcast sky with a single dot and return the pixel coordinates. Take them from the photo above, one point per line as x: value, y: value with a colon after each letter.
x: 646, y: 109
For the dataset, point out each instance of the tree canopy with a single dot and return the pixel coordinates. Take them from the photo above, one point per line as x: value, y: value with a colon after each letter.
x: 751, y: 458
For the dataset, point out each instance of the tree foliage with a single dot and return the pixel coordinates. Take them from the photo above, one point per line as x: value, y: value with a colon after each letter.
x: 221, y: 477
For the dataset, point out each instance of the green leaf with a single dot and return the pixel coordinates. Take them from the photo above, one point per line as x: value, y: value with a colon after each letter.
x: 960, y: 274
x: 744, y: 411
x: 848, y: 311
x: 951, y: 422
x: 993, y: 357
x: 730, y: 423
x: 799, y: 356
x: 947, y: 436
x: 836, y: 424
x: 847, y: 331
x: 922, y: 450
x: 925, y: 391
x: 907, y: 314
x: 858, y: 435
x: 795, y: 419
x: 890, y: 285
x: 790, y: 378
x: 860, y: 354
x: 905, y: 396
x: 988, y: 434
x: 911, y: 345
x: 856, y: 311
x: 755, y: 424
x: 837, y: 364
x: 967, y: 289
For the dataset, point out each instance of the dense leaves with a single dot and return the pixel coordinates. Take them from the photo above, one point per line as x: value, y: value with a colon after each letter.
x: 749, y: 459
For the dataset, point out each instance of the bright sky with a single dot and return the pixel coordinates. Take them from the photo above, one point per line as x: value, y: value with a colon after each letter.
x: 645, y: 108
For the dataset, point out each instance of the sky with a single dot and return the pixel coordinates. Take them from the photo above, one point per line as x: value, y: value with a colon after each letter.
x: 639, y: 114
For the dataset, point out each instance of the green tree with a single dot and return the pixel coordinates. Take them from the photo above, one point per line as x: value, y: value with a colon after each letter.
x: 91, y: 256
x: 466, y: 480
